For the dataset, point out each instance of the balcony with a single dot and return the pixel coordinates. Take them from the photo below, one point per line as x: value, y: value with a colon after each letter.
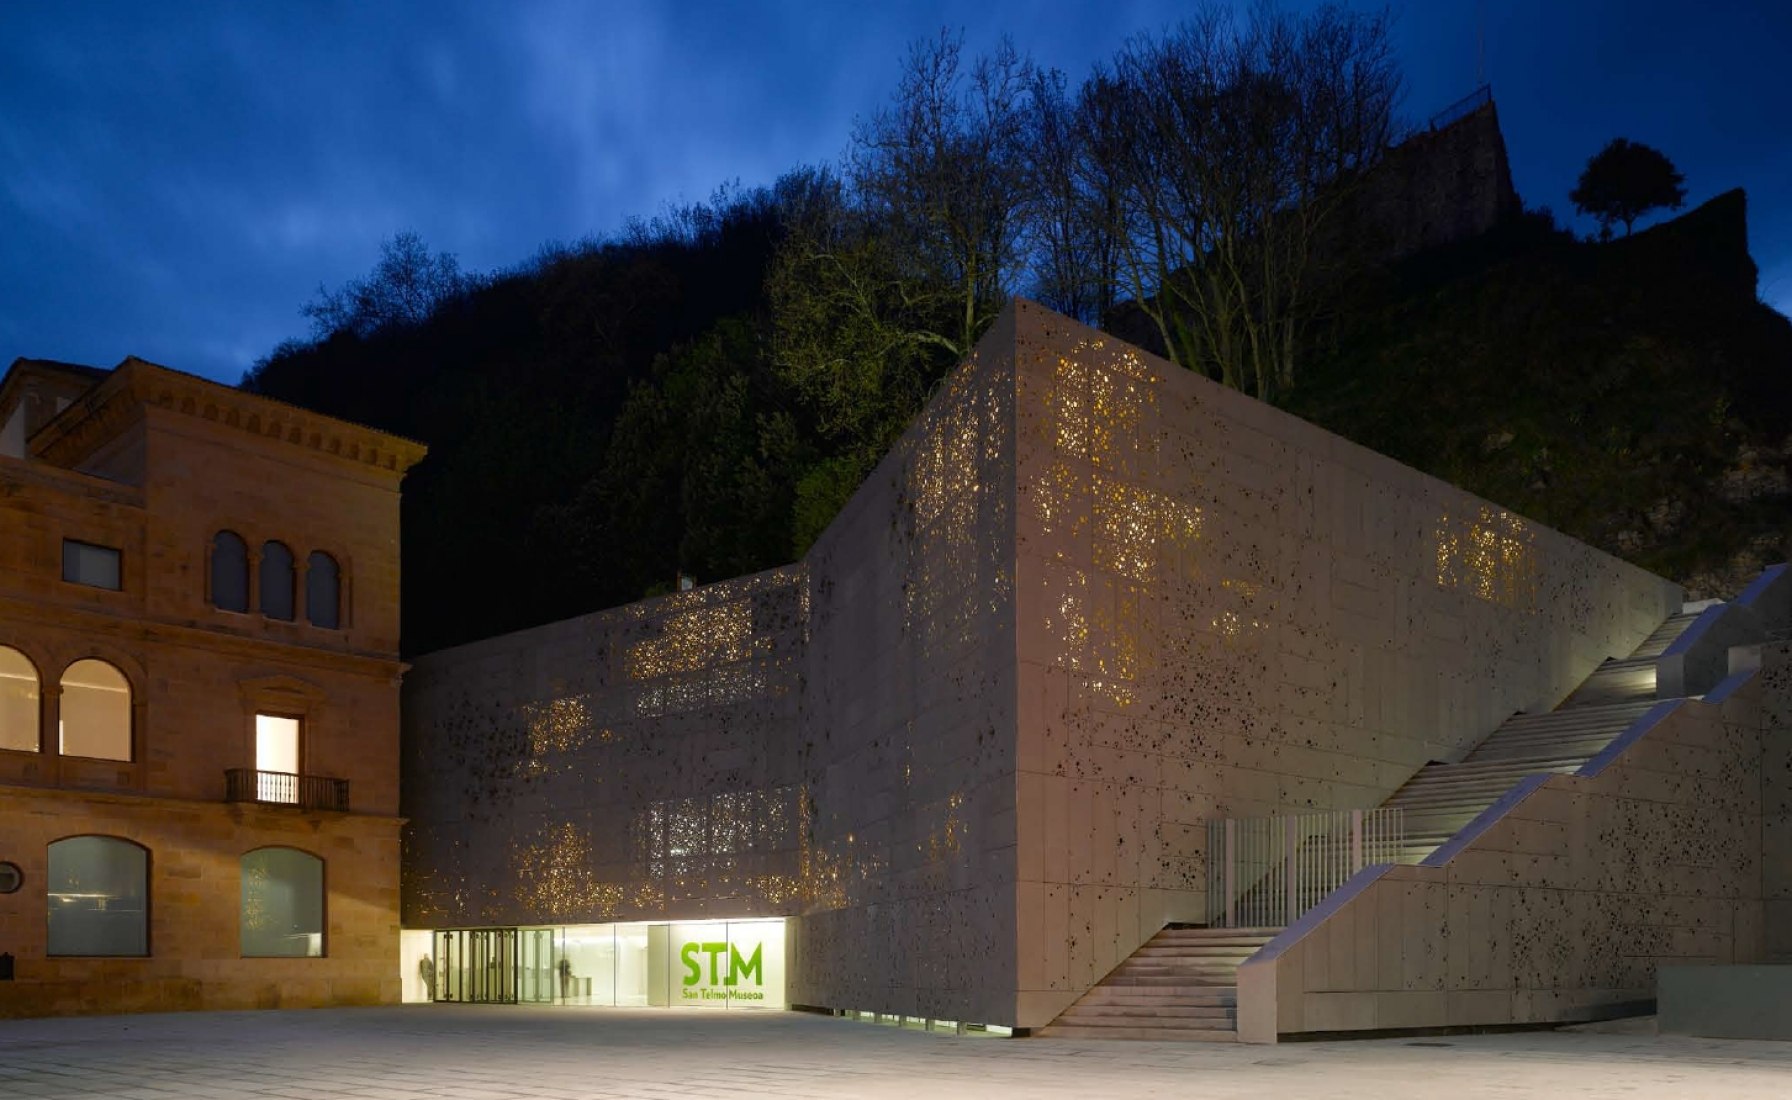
x: 302, y: 792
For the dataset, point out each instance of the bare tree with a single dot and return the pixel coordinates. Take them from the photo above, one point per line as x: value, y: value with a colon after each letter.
x: 404, y: 288
x: 894, y: 266
x: 1076, y: 222
x: 942, y: 174
x: 1238, y: 142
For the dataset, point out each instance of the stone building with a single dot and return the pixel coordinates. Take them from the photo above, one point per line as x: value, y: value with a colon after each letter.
x: 198, y: 696
x: 1108, y: 680
x: 1443, y: 185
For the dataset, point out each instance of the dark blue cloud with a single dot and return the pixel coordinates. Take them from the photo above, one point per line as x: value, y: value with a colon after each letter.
x: 175, y: 180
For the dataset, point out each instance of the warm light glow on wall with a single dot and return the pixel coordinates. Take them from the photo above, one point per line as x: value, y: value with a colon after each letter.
x: 1099, y: 418
x: 1492, y: 556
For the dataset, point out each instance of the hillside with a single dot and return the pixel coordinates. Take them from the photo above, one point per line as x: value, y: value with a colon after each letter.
x: 1634, y: 394
x: 610, y: 416
x: 527, y: 509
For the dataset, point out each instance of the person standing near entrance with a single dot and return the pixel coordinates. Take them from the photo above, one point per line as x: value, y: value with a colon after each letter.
x: 426, y: 972
x: 565, y: 978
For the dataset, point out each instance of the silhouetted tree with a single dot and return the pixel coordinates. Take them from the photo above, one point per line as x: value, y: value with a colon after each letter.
x: 1234, y: 143
x: 896, y: 263
x: 407, y: 285
x: 1626, y: 180
x: 1078, y: 217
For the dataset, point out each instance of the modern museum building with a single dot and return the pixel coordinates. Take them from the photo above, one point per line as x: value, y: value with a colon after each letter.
x: 1115, y: 702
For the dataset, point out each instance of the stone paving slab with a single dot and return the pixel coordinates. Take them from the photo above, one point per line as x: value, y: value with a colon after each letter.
x: 454, y: 1052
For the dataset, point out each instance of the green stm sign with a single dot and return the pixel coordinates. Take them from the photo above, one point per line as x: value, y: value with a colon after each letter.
x: 729, y: 974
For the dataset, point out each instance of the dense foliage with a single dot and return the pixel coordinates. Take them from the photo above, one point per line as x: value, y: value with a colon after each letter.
x: 577, y: 410
x: 1634, y: 394
x: 700, y: 394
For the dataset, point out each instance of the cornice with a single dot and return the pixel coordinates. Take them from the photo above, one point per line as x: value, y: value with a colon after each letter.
x: 265, y: 814
x: 14, y: 608
x: 42, y: 475
x: 111, y: 406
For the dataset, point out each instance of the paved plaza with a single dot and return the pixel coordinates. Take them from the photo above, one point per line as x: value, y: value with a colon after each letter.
x: 496, y: 1053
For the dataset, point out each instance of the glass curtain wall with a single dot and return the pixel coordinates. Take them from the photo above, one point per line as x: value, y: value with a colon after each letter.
x: 705, y: 964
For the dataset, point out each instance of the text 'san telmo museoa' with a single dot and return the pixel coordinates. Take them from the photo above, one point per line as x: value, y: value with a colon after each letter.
x: 1115, y: 702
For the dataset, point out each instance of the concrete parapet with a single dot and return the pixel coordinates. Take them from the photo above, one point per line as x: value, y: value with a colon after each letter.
x: 1725, y: 1002
x: 1556, y: 905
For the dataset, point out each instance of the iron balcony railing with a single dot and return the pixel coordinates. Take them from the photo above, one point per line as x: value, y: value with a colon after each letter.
x: 306, y: 792
x: 1267, y: 872
x: 1463, y: 107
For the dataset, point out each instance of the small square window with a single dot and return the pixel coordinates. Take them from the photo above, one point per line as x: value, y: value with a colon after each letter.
x: 85, y: 563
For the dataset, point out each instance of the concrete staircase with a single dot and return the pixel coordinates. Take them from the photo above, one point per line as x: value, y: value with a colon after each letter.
x: 1442, y: 798
x: 1181, y: 985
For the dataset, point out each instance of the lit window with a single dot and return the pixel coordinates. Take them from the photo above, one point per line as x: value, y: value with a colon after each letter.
x: 323, y: 590
x: 230, y: 572
x: 85, y: 563
x: 276, y: 581
x: 283, y: 904
x: 98, y: 897
x: 276, y: 758
x: 18, y: 701
x: 96, y: 712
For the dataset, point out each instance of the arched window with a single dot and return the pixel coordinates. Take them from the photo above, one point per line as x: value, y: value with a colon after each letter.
x: 276, y: 581
x: 230, y: 572
x: 96, y: 711
x: 18, y: 701
x: 283, y: 904
x: 99, y: 897
x: 323, y: 590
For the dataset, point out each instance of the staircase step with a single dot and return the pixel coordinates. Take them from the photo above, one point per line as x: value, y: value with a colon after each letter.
x: 1104, y: 1011
x: 1436, y: 792
x: 1443, y: 805
x: 1172, y: 983
x: 1577, y: 716
x: 1475, y: 769
x: 1065, y: 1031
x: 1145, y: 996
x: 1136, y: 965
x: 1519, y: 752
x: 1456, y: 775
x: 1215, y: 934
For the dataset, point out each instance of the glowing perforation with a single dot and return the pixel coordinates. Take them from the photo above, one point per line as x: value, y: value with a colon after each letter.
x: 1070, y: 408
x: 558, y: 726
x: 1492, y: 556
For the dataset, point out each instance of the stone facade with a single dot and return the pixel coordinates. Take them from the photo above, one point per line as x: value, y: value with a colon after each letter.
x: 153, y: 463
x: 1088, y: 602
x: 1441, y: 186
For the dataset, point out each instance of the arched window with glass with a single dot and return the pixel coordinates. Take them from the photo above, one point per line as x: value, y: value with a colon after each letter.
x: 98, y: 897
x: 230, y: 572
x: 323, y: 590
x: 96, y: 711
x: 20, y: 702
x: 277, y: 582
x: 283, y: 904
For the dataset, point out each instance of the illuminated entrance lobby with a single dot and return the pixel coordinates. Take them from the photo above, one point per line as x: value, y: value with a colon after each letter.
x: 1118, y: 702
x: 703, y: 964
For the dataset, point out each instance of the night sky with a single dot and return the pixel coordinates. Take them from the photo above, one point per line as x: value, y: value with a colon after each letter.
x: 177, y: 179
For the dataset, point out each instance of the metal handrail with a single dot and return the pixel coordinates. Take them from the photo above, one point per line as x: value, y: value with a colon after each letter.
x: 1463, y: 107
x: 306, y: 792
x: 1267, y: 872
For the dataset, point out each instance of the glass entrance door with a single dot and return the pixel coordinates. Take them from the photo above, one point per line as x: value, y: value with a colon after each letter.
x: 476, y: 965
x: 538, y: 957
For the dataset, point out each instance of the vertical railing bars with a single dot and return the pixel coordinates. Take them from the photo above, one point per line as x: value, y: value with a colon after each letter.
x: 1269, y: 871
